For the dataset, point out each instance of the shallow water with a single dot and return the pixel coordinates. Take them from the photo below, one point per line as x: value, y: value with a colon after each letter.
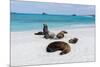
x: 24, y: 22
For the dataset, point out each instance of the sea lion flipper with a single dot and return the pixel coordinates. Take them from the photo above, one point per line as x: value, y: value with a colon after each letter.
x: 65, y: 51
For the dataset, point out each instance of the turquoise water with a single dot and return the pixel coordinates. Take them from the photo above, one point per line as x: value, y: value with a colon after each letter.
x: 24, y: 22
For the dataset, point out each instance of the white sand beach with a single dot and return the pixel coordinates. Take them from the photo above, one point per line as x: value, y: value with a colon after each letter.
x: 30, y: 49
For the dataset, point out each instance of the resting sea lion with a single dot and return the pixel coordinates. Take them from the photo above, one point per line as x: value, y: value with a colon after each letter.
x: 39, y: 33
x: 51, y: 35
x: 60, y: 35
x: 73, y: 41
x: 59, y: 45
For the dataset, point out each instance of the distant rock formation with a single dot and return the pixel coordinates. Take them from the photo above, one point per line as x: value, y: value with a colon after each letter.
x: 74, y: 15
x: 92, y: 15
x: 44, y: 13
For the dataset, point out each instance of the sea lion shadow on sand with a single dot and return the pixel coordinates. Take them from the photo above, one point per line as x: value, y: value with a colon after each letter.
x: 59, y: 46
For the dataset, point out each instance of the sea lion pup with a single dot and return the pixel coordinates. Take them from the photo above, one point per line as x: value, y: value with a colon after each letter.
x: 45, y: 31
x: 73, y: 41
x: 59, y: 45
x: 39, y: 33
x: 61, y: 34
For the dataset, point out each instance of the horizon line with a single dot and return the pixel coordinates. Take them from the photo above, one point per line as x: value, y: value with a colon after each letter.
x: 53, y: 14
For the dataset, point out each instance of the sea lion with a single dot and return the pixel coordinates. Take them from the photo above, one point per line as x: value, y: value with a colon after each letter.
x: 60, y: 35
x: 45, y: 31
x: 59, y: 45
x: 73, y: 41
x: 51, y: 35
x: 39, y: 33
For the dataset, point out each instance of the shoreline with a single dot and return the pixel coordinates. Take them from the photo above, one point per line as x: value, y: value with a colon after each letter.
x: 88, y: 26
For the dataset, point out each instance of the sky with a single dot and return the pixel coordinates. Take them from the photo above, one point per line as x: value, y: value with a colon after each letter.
x: 51, y: 8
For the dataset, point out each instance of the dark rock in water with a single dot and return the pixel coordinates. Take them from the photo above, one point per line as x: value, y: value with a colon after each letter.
x: 44, y: 13
x: 74, y: 15
x: 59, y: 46
x: 39, y: 33
x: 73, y: 41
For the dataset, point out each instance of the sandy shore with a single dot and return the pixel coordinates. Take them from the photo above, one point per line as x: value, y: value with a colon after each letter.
x: 30, y: 49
